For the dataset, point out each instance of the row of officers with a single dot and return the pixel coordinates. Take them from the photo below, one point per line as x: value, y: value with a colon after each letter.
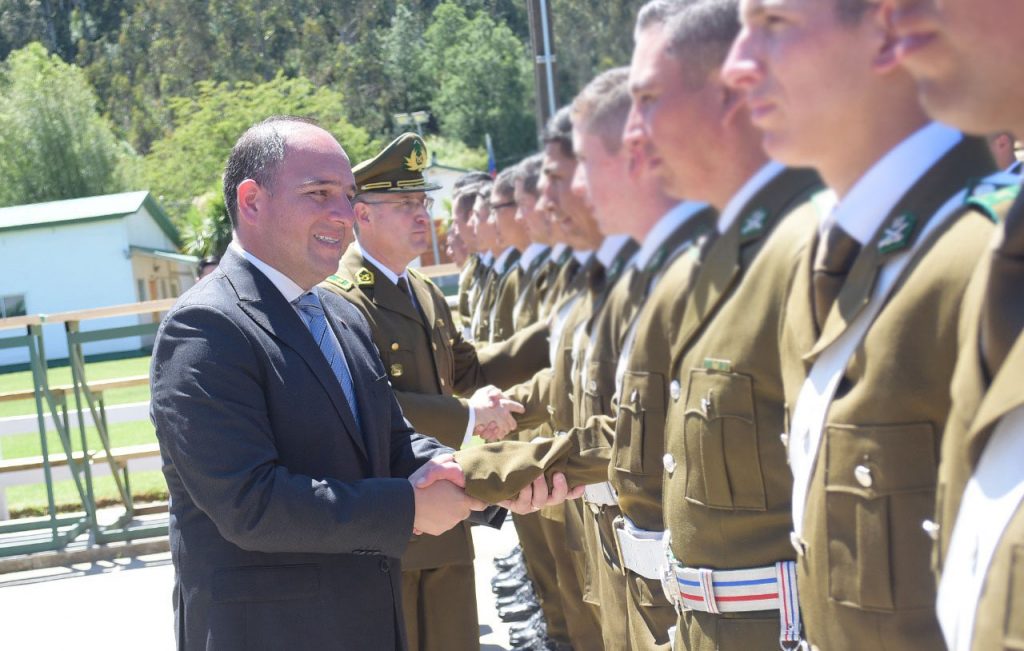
x: 761, y: 309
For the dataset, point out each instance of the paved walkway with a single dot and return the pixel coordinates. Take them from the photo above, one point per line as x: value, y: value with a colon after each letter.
x: 125, y: 605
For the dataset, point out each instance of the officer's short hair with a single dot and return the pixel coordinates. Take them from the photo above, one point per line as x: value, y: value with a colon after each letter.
x: 469, y: 179
x: 505, y: 182
x: 528, y: 172
x: 256, y: 155
x: 463, y: 201
x: 701, y: 33
x: 559, y: 131
x: 656, y: 12
x: 602, y: 107
x: 483, y: 191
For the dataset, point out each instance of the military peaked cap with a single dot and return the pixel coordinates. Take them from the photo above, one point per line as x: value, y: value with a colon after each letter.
x: 398, y: 168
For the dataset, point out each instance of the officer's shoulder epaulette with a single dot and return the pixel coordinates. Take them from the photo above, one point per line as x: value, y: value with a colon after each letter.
x: 994, y: 195
x: 419, y: 274
x: 344, y: 284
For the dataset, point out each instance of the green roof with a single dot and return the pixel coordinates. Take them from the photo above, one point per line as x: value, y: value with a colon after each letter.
x: 86, y: 209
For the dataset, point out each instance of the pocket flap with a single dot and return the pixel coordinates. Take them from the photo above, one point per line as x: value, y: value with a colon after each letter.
x: 272, y: 583
x: 874, y: 461
x: 716, y: 394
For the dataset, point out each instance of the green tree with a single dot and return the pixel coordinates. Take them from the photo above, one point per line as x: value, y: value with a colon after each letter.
x: 207, y: 227
x: 187, y: 162
x: 455, y: 154
x: 53, y: 142
x: 485, y: 84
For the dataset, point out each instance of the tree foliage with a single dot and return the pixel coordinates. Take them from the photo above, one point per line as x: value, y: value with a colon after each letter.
x: 191, y: 158
x: 54, y: 143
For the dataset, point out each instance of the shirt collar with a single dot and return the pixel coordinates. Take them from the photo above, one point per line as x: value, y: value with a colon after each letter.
x: 582, y: 256
x: 610, y: 248
x: 861, y: 212
x: 558, y: 249
x: 501, y: 265
x: 388, y: 273
x: 288, y: 287
x: 487, y: 258
x: 667, y: 225
x: 531, y: 253
x: 754, y: 184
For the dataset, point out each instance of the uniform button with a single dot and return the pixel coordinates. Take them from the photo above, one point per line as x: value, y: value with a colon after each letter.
x: 931, y: 528
x: 434, y: 344
x: 785, y: 440
x: 385, y: 566
x: 592, y: 386
x: 669, y: 462
x: 394, y: 346
x: 633, y: 397
x: 863, y: 476
x: 675, y: 390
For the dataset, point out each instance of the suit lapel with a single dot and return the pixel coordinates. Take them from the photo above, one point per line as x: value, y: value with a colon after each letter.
x: 265, y: 305
x: 949, y: 175
x: 425, y: 298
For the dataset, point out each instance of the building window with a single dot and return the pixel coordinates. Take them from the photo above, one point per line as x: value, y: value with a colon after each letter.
x: 12, y: 305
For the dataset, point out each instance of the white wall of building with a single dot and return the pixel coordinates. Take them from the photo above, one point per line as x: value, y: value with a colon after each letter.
x: 75, y: 266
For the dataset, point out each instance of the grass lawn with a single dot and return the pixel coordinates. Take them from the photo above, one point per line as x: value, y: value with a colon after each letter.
x: 30, y: 500
x: 22, y: 380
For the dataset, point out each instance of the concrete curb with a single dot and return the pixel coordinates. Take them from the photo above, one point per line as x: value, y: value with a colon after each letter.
x: 88, y: 554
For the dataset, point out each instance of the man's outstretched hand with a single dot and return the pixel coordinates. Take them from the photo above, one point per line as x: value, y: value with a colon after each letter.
x: 537, y: 496
x: 441, y: 502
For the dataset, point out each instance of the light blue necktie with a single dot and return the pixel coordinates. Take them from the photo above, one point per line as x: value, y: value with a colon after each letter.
x: 313, y: 315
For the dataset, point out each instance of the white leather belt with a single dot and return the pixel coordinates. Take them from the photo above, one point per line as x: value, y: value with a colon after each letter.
x: 598, y: 495
x: 735, y: 591
x: 640, y: 551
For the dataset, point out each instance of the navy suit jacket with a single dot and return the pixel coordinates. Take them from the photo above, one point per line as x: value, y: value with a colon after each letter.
x: 287, y: 523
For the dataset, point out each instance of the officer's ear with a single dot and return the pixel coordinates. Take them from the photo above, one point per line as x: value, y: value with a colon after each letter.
x: 362, y: 211
x: 250, y: 198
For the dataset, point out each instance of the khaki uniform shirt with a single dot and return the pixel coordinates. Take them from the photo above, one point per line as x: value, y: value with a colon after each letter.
x: 977, y: 407
x: 864, y: 573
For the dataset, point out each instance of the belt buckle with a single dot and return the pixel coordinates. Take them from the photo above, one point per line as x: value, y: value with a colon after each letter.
x: 669, y: 581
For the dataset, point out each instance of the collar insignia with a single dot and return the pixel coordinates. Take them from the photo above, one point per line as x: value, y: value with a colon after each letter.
x: 754, y: 224
x: 365, y: 277
x: 897, y: 234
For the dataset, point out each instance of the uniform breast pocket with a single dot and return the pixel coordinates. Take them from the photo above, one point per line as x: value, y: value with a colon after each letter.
x: 723, y: 461
x: 640, y: 424
x: 879, y: 487
x: 596, y: 390
x: 1014, y: 637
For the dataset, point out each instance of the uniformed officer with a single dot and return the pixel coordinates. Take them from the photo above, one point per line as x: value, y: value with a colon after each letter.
x: 428, y: 364
x: 869, y: 336
x: 514, y: 237
x: 462, y: 206
x: 537, y: 261
x: 487, y: 239
x: 963, y: 80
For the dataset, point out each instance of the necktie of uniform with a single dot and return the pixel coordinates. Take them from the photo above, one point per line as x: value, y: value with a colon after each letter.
x: 1002, y: 315
x: 403, y: 284
x: 313, y: 315
x: 832, y: 261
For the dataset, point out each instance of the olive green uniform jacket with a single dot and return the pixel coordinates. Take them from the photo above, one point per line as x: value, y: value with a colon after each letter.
x: 428, y: 364
x: 863, y: 573
x: 977, y: 407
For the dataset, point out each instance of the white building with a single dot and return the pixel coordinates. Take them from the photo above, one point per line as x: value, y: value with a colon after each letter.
x: 85, y: 253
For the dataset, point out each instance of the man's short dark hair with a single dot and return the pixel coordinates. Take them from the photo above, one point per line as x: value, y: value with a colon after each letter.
x: 256, y: 155
x: 505, y: 182
x: 483, y: 191
x: 701, y: 32
x: 528, y: 172
x: 470, y: 178
x: 559, y: 130
x: 656, y: 12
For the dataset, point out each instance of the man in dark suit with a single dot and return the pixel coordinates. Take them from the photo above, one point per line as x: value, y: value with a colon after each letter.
x: 295, y: 481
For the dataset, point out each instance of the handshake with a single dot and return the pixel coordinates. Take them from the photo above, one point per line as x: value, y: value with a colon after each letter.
x: 493, y: 411
x: 441, y: 500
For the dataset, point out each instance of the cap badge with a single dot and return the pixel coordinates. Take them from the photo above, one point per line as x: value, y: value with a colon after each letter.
x: 416, y: 161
